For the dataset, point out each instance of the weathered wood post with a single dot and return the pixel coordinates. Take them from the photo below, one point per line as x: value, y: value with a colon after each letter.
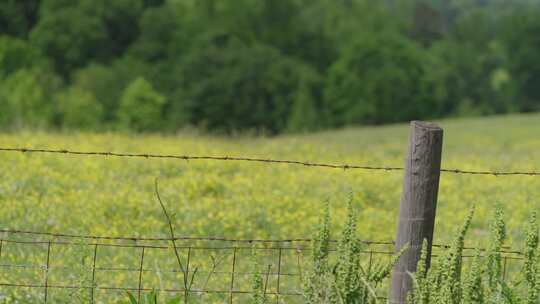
x: 418, y: 203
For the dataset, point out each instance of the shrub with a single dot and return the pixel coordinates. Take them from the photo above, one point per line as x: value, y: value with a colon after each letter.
x: 229, y: 85
x: 79, y: 109
x: 346, y: 281
x: 140, y: 106
x: 257, y: 285
x: 483, y: 283
x: 375, y: 76
x: 16, y: 54
x: 26, y: 100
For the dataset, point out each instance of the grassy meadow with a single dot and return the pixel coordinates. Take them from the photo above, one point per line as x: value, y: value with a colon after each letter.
x: 115, y: 196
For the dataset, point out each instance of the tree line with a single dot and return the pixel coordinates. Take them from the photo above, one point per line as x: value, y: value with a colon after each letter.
x: 265, y: 65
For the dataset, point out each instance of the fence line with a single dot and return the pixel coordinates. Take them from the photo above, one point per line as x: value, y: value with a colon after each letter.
x: 258, y: 160
x: 279, y: 259
x: 144, y: 289
x: 179, y: 238
x: 275, y: 242
x: 229, y: 289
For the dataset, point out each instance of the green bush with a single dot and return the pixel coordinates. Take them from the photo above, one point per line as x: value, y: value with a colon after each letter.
x: 140, y: 107
x: 16, y: 54
x: 379, y: 78
x: 447, y: 283
x: 305, y: 114
x: 230, y: 86
x: 107, y: 82
x: 79, y: 109
x: 346, y: 281
x: 26, y: 99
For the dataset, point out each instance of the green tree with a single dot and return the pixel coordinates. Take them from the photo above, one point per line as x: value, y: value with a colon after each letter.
x: 120, y: 18
x: 26, y: 99
x: 381, y: 78
x: 470, y: 68
x: 281, y: 24
x: 18, y: 17
x: 521, y: 36
x: 141, y: 107
x: 79, y: 109
x: 74, y: 33
x: 69, y: 36
x: 231, y: 86
x: 16, y: 54
x: 162, y: 34
x: 240, y: 64
x: 166, y: 35
x: 305, y: 113
x: 107, y: 82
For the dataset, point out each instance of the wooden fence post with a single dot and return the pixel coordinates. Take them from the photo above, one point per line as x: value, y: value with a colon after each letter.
x: 418, y: 203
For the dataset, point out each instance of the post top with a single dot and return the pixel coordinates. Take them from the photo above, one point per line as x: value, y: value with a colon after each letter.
x: 425, y: 125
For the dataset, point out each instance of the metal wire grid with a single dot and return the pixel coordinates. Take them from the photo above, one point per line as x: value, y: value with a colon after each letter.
x: 282, y: 265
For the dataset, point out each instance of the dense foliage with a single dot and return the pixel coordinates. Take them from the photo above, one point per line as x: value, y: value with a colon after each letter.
x: 348, y: 280
x: 269, y: 66
x: 483, y: 282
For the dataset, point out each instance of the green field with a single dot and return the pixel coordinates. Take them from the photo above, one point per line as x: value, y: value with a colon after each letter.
x: 115, y: 196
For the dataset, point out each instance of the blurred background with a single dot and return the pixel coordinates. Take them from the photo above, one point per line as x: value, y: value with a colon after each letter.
x: 263, y: 66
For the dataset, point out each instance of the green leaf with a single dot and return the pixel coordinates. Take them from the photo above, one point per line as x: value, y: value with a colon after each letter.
x: 132, y: 299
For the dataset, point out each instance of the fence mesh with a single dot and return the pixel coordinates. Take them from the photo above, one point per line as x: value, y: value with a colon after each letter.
x: 51, y: 268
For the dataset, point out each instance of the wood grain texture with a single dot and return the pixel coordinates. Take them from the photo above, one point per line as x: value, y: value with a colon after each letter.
x: 418, y: 203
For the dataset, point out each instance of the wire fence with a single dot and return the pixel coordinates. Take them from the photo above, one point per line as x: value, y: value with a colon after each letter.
x: 101, y: 269
x: 219, y: 268
x: 55, y: 266
x: 258, y: 160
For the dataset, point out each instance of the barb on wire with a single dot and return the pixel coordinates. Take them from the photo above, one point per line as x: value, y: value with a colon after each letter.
x: 258, y: 160
x: 199, y: 157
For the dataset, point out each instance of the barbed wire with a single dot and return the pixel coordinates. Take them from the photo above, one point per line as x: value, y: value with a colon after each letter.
x: 258, y: 160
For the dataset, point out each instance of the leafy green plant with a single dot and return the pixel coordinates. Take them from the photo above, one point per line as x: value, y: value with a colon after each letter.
x: 150, y: 298
x: 532, y: 263
x: 442, y: 283
x: 483, y: 283
x: 140, y: 106
x: 347, y: 280
x: 83, y: 257
x: 257, y: 284
x: 78, y: 108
